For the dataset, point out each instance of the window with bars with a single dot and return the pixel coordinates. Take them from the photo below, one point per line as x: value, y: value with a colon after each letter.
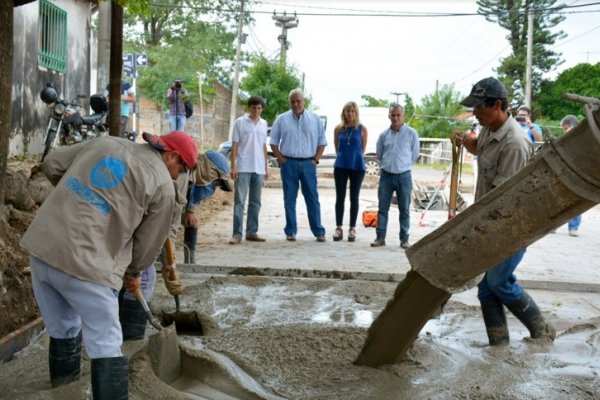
x: 52, y: 52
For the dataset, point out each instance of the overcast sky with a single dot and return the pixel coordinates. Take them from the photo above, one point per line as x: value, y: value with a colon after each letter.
x: 344, y: 57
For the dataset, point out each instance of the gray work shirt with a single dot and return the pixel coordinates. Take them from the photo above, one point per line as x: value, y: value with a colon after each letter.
x: 501, y: 154
x: 398, y: 150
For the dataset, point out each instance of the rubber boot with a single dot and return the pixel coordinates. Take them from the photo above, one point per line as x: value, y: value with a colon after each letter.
x: 494, y: 318
x: 190, y: 236
x: 64, y: 360
x: 529, y: 314
x: 132, y: 318
x: 110, y: 378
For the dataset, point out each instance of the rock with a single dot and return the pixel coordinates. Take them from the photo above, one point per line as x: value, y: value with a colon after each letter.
x: 17, y: 191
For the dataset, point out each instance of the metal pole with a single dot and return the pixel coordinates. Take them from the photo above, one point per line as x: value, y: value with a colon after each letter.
x: 285, y: 22
x: 528, y: 71
x: 236, y: 83
x: 200, y: 80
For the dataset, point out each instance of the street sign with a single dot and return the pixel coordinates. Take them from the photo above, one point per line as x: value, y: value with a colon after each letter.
x: 128, y: 60
x: 129, y: 71
x: 141, y: 60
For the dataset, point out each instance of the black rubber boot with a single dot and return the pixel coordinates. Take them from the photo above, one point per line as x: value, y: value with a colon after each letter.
x: 494, y: 318
x: 190, y: 236
x: 132, y: 318
x: 529, y: 314
x: 64, y: 360
x: 110, y: 378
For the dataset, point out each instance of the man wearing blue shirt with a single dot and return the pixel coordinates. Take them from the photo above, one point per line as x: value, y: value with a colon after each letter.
x: 534, y: 130
x: 397, y: 149
x: 297, y: 141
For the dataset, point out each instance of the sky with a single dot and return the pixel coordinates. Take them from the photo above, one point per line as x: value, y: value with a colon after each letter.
x: 344, y: 57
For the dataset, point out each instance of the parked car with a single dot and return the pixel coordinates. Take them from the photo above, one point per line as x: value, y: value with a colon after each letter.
x: 225, y: 149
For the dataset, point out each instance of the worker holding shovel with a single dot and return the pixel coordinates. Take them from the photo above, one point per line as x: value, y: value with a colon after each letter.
x: 103, y: 223
x: 211, y: 172
x: 502, y: 151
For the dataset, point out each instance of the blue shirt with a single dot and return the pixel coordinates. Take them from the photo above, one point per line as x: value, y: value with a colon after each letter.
x: 298, y: 137
x: 398, y: 150
x: 350, y: 150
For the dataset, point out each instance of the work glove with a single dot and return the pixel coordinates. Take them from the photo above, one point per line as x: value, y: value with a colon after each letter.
x: 132, y: 282
x: 172, y: 281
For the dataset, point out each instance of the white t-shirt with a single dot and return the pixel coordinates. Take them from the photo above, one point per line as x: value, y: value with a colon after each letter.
x: 252, y: 138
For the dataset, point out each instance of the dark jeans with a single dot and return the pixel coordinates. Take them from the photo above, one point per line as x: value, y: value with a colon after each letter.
x: 388, y: 184
x: 500, y: 282
x: 341, y: 176
x: 302, y: 174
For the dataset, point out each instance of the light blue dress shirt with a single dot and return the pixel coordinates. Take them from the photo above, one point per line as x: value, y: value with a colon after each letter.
x: 398, y: 150
x: 298, y: 137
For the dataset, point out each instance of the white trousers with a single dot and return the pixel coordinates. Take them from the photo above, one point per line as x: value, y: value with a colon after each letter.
x: 69, y: 305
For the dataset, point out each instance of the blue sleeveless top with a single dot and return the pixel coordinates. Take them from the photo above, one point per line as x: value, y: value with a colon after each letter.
x: 349, y: 151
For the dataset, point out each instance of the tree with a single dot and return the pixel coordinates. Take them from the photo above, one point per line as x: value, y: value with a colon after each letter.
x: 436, y: 116
x: 582, y: 79
x: 267, y: 79
x: 371, y: 101
x: 512, y: 16
x: 182, y: 38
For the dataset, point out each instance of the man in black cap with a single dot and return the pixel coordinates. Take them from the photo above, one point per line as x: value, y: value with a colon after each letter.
x: 502, y: 150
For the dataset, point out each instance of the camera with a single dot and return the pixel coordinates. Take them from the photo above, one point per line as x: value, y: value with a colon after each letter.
x: 177, y: 83
x: 520, y: 119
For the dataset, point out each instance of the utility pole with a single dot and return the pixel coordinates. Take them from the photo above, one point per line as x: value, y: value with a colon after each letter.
x: 236, y: 77
x: 285, y: 22
x: 201, y: 78
x: 398, y: 94
x: 528, y: 70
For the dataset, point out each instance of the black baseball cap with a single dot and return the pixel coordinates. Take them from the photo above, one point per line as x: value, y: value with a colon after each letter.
x: 488, y: 88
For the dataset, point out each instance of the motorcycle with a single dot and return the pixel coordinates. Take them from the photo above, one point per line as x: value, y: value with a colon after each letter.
x: 66, y: 125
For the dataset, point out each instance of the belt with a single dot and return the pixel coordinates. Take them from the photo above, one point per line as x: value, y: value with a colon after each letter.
x: 298, y: 158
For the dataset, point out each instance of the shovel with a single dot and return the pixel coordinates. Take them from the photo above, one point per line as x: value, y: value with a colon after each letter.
x: 188, y: 322
x: 140, y: 298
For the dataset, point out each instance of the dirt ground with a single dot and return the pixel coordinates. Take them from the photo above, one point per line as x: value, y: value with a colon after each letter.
x: 296, y: 337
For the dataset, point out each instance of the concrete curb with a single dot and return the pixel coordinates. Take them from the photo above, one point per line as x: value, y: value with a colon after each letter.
x: 367, y: 276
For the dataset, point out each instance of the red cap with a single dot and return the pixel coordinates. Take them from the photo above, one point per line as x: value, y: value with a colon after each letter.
x: 177, y: 141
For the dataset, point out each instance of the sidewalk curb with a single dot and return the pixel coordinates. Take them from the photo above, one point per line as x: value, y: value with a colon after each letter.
x: 366, y: 276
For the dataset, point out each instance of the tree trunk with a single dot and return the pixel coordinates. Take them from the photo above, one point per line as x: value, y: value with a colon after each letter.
x: 116, y: 66
x: 6, y: 67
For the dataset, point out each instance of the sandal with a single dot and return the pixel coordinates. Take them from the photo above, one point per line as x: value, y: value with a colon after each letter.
x: 338, y: 235
x: 351, y: 235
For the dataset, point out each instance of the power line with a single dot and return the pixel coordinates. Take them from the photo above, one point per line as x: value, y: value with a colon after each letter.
x: 384, y: 13
x: 576, y: 37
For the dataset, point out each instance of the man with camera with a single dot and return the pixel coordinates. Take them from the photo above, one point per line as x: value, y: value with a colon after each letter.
x: 177, y: 96
x: 534, y: 131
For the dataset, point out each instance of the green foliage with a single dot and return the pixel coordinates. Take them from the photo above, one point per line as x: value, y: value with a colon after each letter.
x: 582, y: 79
x: 436, y: 116
x: 183, y: 38
x: 550, y: 126
x: 512, y: 16
x: 267, y: 79
x: 371, y: 101
x: 409, y: 108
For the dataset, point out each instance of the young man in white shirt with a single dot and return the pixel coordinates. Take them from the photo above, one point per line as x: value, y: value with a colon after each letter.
x: 248, y: 169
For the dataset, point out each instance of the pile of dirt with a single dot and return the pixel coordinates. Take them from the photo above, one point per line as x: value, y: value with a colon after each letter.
x: 25, y: 190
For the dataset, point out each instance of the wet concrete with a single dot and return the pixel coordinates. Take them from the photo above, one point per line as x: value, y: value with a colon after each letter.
x: 298, y: 338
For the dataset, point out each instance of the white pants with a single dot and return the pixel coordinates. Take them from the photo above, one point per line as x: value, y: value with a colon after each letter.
x: 69, y: 305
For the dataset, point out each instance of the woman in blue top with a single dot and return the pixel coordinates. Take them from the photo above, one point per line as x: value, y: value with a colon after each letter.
x: 350, y: 139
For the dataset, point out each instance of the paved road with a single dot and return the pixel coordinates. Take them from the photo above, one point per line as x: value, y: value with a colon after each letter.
x: 553, y: 259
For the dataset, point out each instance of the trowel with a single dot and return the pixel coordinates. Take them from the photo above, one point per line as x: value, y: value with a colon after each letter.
x: 187, y: 322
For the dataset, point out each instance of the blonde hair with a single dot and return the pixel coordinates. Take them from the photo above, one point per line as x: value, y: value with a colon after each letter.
x: 344, y: 124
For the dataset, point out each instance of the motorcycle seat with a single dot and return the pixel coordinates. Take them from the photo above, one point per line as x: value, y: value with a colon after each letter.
x: 92, y: 119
